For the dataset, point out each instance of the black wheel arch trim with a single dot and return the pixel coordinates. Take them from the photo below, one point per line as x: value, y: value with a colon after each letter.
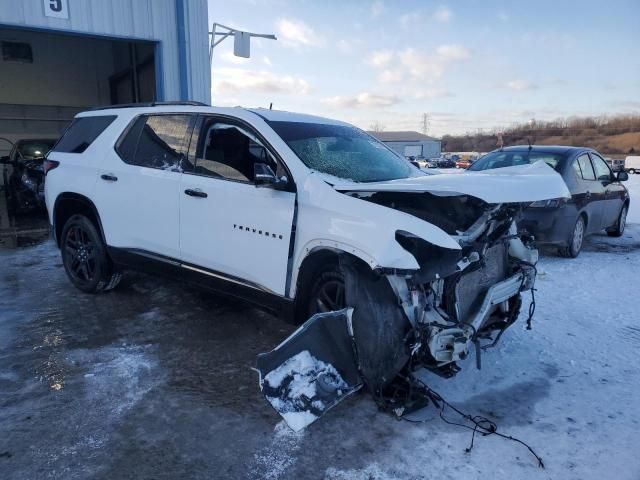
x: 74, y: 197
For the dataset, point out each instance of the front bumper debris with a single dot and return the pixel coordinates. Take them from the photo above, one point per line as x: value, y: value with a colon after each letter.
x: 311, y: 371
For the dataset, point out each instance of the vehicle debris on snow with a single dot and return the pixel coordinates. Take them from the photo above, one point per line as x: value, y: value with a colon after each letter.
x: 460, y: 297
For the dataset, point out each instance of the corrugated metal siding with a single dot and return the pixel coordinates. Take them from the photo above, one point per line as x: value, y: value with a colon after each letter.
x: 197, y: 42
x: 137, y: 19
x: 430, y: 148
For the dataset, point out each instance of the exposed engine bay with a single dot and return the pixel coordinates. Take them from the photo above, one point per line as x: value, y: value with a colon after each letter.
x: 397, y: 321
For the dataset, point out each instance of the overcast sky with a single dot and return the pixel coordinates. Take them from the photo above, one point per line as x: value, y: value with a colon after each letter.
x: 469, y: 64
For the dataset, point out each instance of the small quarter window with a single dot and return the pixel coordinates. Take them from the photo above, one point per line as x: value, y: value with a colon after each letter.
x: 81, y: 133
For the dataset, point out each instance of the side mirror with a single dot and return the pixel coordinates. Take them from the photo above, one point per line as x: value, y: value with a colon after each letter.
x: 263, y: 176
x: 622, y: 176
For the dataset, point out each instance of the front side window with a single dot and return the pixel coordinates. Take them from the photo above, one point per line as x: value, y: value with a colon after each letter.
x: 343, y: 151
x: 82, y: 132
x: 512, y: 159
x: 602, y: 170
x: 585, y: 167
x: 230, y: 152
x: 157, y: 141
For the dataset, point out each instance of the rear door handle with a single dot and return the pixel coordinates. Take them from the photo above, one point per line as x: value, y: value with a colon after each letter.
x: 109, y: 177
x: 195, y: 193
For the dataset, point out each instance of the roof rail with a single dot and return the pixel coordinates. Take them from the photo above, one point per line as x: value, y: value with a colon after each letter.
x: 150, y: 104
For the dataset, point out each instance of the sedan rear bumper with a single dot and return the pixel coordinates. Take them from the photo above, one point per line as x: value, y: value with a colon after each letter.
x: 549, y: 226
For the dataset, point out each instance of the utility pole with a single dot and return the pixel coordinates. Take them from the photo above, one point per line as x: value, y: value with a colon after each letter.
x: 425, y: 123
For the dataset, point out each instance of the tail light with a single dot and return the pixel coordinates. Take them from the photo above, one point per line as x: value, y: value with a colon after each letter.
x: 48, y: 165
x: 552, y: 203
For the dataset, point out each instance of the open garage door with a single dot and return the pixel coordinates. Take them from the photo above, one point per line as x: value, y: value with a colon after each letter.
x: 47, y: 77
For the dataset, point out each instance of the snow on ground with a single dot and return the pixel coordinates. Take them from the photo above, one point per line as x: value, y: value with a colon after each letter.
x: 570, y: 388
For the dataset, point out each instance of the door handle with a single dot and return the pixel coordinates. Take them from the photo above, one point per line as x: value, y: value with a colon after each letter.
x: 587, y: 195
x: 195, y: 193
x: 109, y: 177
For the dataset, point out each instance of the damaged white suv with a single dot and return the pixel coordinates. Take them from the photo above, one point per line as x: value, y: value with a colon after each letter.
x: 300, y: 214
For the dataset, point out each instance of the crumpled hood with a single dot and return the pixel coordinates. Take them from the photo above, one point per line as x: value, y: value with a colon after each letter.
x: 523, y: 183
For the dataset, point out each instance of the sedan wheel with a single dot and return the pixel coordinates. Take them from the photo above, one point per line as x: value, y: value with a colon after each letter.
x: 572, y: 250
x: 621, y: 223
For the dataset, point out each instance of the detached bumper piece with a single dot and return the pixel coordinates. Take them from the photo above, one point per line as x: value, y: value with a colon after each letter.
x: 312, y: 370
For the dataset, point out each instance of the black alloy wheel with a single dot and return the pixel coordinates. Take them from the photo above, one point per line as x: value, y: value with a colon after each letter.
x: 327, y: 293
x: 84, y: 256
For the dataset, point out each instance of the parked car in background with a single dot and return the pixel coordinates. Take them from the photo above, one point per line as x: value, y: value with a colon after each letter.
x: 24, y: 175
x: 442, y: 162
x: 464, y: 163
x: 598, y: 200
x: 632, y: 164
x: 616, y: 164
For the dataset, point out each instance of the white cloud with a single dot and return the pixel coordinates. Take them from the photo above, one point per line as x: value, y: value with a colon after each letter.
x: 348, y: 46
x: 503, y: 16
x: 296, y: 33
x: 363, y: 100
x: 423, y: 65
x: 236, y: 80
x: 380, y: 58
x: 413, y: 63
x: 391, y: 76
x: 443, y: 14
x: 520, y: 85
x: 409, y: 19
x: 452, y: 52
x: 377, y: 8
x: 267, y: 61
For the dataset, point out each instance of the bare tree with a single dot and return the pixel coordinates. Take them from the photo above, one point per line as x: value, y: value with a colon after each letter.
x: 377, y: 127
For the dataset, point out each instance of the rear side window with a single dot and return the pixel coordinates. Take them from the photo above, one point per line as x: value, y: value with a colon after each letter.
x: 157, y: 141
x: 81, y: 133
x: 585, y: 167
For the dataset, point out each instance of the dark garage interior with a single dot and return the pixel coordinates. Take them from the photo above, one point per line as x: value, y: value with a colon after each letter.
x: 46, y: 78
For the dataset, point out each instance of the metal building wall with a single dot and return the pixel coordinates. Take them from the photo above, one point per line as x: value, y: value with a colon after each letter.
x: 136, y: 19
x: 430, y: 148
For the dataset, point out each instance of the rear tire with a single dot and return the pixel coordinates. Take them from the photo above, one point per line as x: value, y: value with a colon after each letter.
x: 84, y: 256
x: 574, y: 245
x: 632, y: 171
x: 618, y: 229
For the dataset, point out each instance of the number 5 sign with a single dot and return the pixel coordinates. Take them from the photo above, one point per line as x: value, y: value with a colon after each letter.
x: 56, y: 8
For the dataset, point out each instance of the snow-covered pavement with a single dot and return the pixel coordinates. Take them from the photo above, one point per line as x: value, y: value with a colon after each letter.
x: 154, y: 380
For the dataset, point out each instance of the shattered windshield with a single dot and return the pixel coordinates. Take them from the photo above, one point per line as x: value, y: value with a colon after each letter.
x: 512, y: 159
x: 343, y: 151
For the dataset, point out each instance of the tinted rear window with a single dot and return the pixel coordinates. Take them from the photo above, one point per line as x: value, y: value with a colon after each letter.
x: 81, y: 133
x: 511, y: 159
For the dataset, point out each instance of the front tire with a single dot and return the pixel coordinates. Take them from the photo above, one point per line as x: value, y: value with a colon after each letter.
x: 574, y: 246
x: 327, y: 292
x: 84, y: 256
x: 618, y: 229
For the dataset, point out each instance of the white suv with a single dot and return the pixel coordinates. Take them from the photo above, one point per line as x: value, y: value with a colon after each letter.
x: 299, y: 214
